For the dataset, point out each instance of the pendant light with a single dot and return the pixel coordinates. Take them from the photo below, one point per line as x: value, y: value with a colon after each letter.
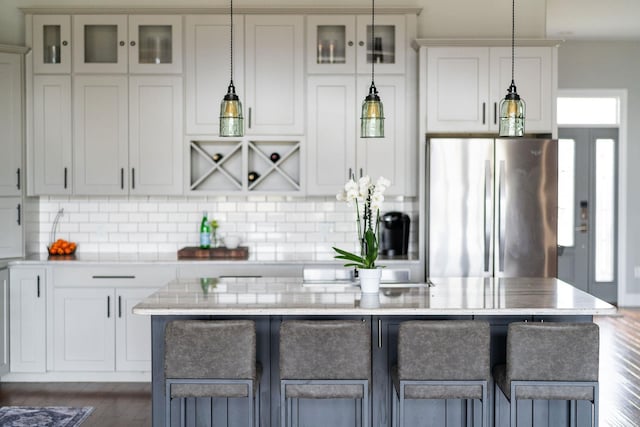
x: 512, y: 109
x: 231, y: 120
x: 372, y: 118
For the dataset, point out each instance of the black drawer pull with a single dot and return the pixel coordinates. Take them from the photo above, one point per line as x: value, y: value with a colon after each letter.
x: 119, y: 305
x: 108, y: 306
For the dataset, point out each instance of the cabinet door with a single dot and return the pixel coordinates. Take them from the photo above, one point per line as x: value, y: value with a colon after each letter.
x: 11, y: 124
x: 332, y: 123
x: 331, y: 44
x: 155, y: 44
x: 100, y: 43
x: 274, y: 73
x: 4, y: 321
x: 51, y: 44
x: 100, y: 134
x: 458, y: 89
x: 83, y: 321
x: 386, y: 156
x: 155, y: 135
x: 52, y: 135
x: 133, y: 332
x: 11, y: 217
x: 207, y: 69
x: 28, y: 319
x: 533, y: 78
x: 387, y: 49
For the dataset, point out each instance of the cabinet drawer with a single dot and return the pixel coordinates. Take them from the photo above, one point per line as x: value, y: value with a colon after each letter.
x: 113, y: 276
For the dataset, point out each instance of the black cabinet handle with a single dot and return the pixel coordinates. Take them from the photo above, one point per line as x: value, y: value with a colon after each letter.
x: 133, y: 178
x: 484, y: 112
x: 18, y: 173
x: 132, y: 43
x: 65, y: 178
x: 119, y: 305
x: 108, y: 306
x: 249, y: 117
x: 38, y: 281
x: 64, y: 43
x: 122, y: 178
x: 19, y: 214
x: 495, y: 113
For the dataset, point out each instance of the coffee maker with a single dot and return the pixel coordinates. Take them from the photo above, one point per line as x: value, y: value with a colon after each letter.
x: 394, y: 233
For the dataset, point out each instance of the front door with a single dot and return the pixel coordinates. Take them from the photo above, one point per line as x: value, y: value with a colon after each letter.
x: 587, y: 225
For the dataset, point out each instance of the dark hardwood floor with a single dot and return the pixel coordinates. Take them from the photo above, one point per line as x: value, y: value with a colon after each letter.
x: 129, y: 404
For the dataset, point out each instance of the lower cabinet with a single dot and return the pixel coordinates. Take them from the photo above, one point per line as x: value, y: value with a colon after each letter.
x: 96, y: 330
x: 27, y: 319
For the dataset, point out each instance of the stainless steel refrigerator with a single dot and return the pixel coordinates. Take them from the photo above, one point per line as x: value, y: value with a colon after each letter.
x: 492, y: 207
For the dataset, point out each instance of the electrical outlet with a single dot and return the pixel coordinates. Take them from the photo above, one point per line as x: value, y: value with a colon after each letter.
x: 636, y: 272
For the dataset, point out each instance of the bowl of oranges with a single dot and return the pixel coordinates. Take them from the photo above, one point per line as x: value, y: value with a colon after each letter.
x: 62, y: 247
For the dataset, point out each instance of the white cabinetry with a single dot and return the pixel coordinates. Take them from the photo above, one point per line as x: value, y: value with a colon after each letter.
x: 51, y: 44
x: 52, y: 155
x: 4, y: 321
x: 11, y: 124
x: 127, y: 135
x: 95, y: 329
x: 11, y: 218
x: 117, y: 44
x: 339, y: 45
x: 464, y: 87
x: 274, y: 75
x: 28, y: 319
x: 207, y: 69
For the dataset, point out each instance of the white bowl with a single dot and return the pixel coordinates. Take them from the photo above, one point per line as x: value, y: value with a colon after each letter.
x: 232, y: 242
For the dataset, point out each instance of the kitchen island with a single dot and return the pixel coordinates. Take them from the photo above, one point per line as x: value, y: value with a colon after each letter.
x: 269, y: 300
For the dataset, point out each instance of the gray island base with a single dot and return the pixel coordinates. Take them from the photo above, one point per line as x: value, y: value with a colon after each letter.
x: 269, y: 300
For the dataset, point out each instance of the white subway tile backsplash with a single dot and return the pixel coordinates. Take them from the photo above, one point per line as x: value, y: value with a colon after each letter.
x: 274, y: 227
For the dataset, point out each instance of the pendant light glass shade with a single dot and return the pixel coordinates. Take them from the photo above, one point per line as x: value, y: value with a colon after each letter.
x: 512, y: 110
x: 372, y: 118
x: 231, y: 120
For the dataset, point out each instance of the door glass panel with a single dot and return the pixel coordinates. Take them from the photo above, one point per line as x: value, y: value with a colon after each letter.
x: 51, y: 44
x: 331, y: 44
x: 383, y: 50
x: 588, y: 111
x: 605, y: 208
x: 566, y: 191
x: 101, y: 44
x: 155, y: 44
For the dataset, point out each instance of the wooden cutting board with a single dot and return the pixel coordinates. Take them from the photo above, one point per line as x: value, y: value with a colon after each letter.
x: 194, y: 252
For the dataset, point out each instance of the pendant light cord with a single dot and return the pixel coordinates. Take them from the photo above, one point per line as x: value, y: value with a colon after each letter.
x: 231, y: 41
x: 513, y: 39
x: 373, y: 30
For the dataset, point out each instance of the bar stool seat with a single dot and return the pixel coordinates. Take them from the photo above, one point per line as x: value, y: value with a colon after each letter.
x: 217, y: 359
x: 328, y: 359
x: 446, y: 359
x: 550, y: 361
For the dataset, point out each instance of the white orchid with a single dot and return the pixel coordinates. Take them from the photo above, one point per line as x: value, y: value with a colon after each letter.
x: 370, y: 196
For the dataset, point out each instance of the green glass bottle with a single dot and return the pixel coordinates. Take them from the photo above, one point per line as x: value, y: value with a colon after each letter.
x: 205, y: 232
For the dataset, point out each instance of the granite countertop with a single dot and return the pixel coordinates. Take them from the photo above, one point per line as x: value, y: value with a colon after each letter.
x: 164, y: 258
x: 288, y: 296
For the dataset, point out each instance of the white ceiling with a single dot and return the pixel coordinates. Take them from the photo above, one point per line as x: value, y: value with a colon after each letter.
x: 593, y: 19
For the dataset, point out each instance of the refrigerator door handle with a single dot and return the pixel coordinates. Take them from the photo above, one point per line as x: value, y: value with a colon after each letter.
x: 501, y: 214
x: 487, y: 209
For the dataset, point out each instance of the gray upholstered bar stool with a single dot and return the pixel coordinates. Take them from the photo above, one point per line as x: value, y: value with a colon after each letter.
x: 442, y: 359
x: 550, y: 361
x: 207, y: 358
x: 328, y: 359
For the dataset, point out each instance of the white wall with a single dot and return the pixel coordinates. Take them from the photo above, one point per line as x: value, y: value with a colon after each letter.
x: 439, y: 18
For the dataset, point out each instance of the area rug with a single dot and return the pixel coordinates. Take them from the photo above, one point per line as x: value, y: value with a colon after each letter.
x: 51, y: 416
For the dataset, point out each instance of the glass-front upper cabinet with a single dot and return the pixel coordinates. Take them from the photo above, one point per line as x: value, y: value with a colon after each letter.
x: 100, y: 43
x: 155, y: 44
x: 51, y: 44
x: 344, y: 44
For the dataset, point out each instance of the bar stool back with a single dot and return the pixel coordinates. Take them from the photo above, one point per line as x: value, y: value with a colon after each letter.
x: 325, y: 360
x: 206, y: 358
x: 550, y: 361
x: 446, y: 359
